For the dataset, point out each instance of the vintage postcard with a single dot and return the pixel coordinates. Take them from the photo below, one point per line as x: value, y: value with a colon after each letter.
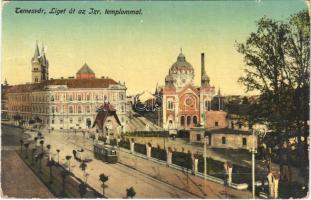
x: 155, y: 99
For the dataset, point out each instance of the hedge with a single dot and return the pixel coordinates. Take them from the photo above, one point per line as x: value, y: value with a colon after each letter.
x: 149, y: 133
x: 140, y: 148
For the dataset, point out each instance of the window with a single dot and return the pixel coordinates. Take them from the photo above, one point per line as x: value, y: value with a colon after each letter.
x: 240, y: 125
x: 170, y: 105
x: 52, y: 98
x: 105, y: 97
x: 244, y: 141
x: 36, y: 80
x: 53, y: 109
x: 208, y: 105
x: 79, y: 109
x: 232, y: 124
x: 70, y: 109
x: 216, y: 123
x: 70, y: 120
x: 195, y: 120
x: 52, y: 121
x: 61, y: 120
x: 182, y: 120
x: 79, y: 97
x: 188, y: 120
x: 79, y: 119
x: 88, y: 110
x: 223, y: 140
x: 198, y: 137
x: 88, y: 97
x: 70, y: 98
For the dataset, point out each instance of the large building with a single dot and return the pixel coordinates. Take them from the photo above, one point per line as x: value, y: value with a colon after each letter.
x: 185, y: 105
x: 65, y: 103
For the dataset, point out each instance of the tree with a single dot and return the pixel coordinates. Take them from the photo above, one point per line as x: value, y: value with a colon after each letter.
x: 41, y: 143
x: 130, y: 193
x: 40, y: 157
x: 82, y: 189
x: 26, y: 145
x: 50, y: 164
x: 57, y: 150
x: 33, y: 150
x: 64, y: 174
x: 277, y: 58
x: 83, y: 167
x: 49, y: 148
x: 299, y: 52
x: 36, y: 139
x: 68, y: 160
x: 103, y: 178
x: 21, y: 142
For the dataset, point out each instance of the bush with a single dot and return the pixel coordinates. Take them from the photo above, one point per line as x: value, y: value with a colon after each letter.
x: 113, y: 142
x: 158, y: 153
x: 149, y: 133
x: 140, y: 148
x: 182, y: 159
x: 183, y: 134
x: 124, y: 144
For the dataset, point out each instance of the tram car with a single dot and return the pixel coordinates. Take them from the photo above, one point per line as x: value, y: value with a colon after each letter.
x: 105, y: 153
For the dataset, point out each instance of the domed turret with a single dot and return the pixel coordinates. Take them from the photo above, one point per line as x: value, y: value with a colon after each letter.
x: 181, y: 66
x: 181, y: 73
x: 169, y: 81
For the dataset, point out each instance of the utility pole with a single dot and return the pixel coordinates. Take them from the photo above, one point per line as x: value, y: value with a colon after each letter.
x: 253, y: 165
x: 205, y: 141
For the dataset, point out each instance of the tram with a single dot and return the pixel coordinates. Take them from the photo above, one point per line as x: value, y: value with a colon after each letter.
x: 105, y: 153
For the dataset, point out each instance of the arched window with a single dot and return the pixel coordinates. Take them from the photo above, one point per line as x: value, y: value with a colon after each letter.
x: 195, y: 120
x: 70, y: 109
x: 188, y: 120
x: 79, y: 109
x: 88, y: 110
x: 182, y: 120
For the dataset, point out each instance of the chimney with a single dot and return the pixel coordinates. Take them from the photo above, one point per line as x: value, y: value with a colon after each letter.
x: 202, y: 65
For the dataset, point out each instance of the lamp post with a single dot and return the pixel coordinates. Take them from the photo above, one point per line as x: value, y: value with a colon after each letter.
x: 204, y: 155
x: 253, y: 149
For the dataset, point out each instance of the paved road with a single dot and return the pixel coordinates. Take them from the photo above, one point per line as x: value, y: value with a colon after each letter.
x: 120, y: 176
x: 17, y: 180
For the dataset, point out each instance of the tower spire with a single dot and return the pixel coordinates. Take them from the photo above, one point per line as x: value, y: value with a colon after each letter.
x: 37, y: 52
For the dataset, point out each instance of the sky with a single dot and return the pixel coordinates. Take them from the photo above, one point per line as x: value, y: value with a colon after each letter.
x: 136, y: 49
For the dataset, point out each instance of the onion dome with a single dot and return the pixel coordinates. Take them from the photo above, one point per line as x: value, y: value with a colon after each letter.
x: 181, y: 66
x: 169, y: 80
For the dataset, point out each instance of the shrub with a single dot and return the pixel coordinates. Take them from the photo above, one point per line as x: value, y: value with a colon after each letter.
x: 140, y: 148
x: 158, y: 153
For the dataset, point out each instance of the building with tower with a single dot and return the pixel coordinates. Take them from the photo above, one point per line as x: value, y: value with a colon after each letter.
x: 40, y: 66
x: 64, y: 103
x: 186, y: 105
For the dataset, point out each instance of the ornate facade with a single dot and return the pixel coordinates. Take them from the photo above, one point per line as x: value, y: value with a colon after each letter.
x: 186, y: 105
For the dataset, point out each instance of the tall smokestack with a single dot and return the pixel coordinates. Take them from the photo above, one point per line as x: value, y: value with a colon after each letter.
x: 202, y: 65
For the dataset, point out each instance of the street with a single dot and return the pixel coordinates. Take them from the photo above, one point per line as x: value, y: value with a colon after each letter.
x: 17, y: 180
x: 149, y: 179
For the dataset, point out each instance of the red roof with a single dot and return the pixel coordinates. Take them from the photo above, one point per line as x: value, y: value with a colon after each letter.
x: 71, y: 83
